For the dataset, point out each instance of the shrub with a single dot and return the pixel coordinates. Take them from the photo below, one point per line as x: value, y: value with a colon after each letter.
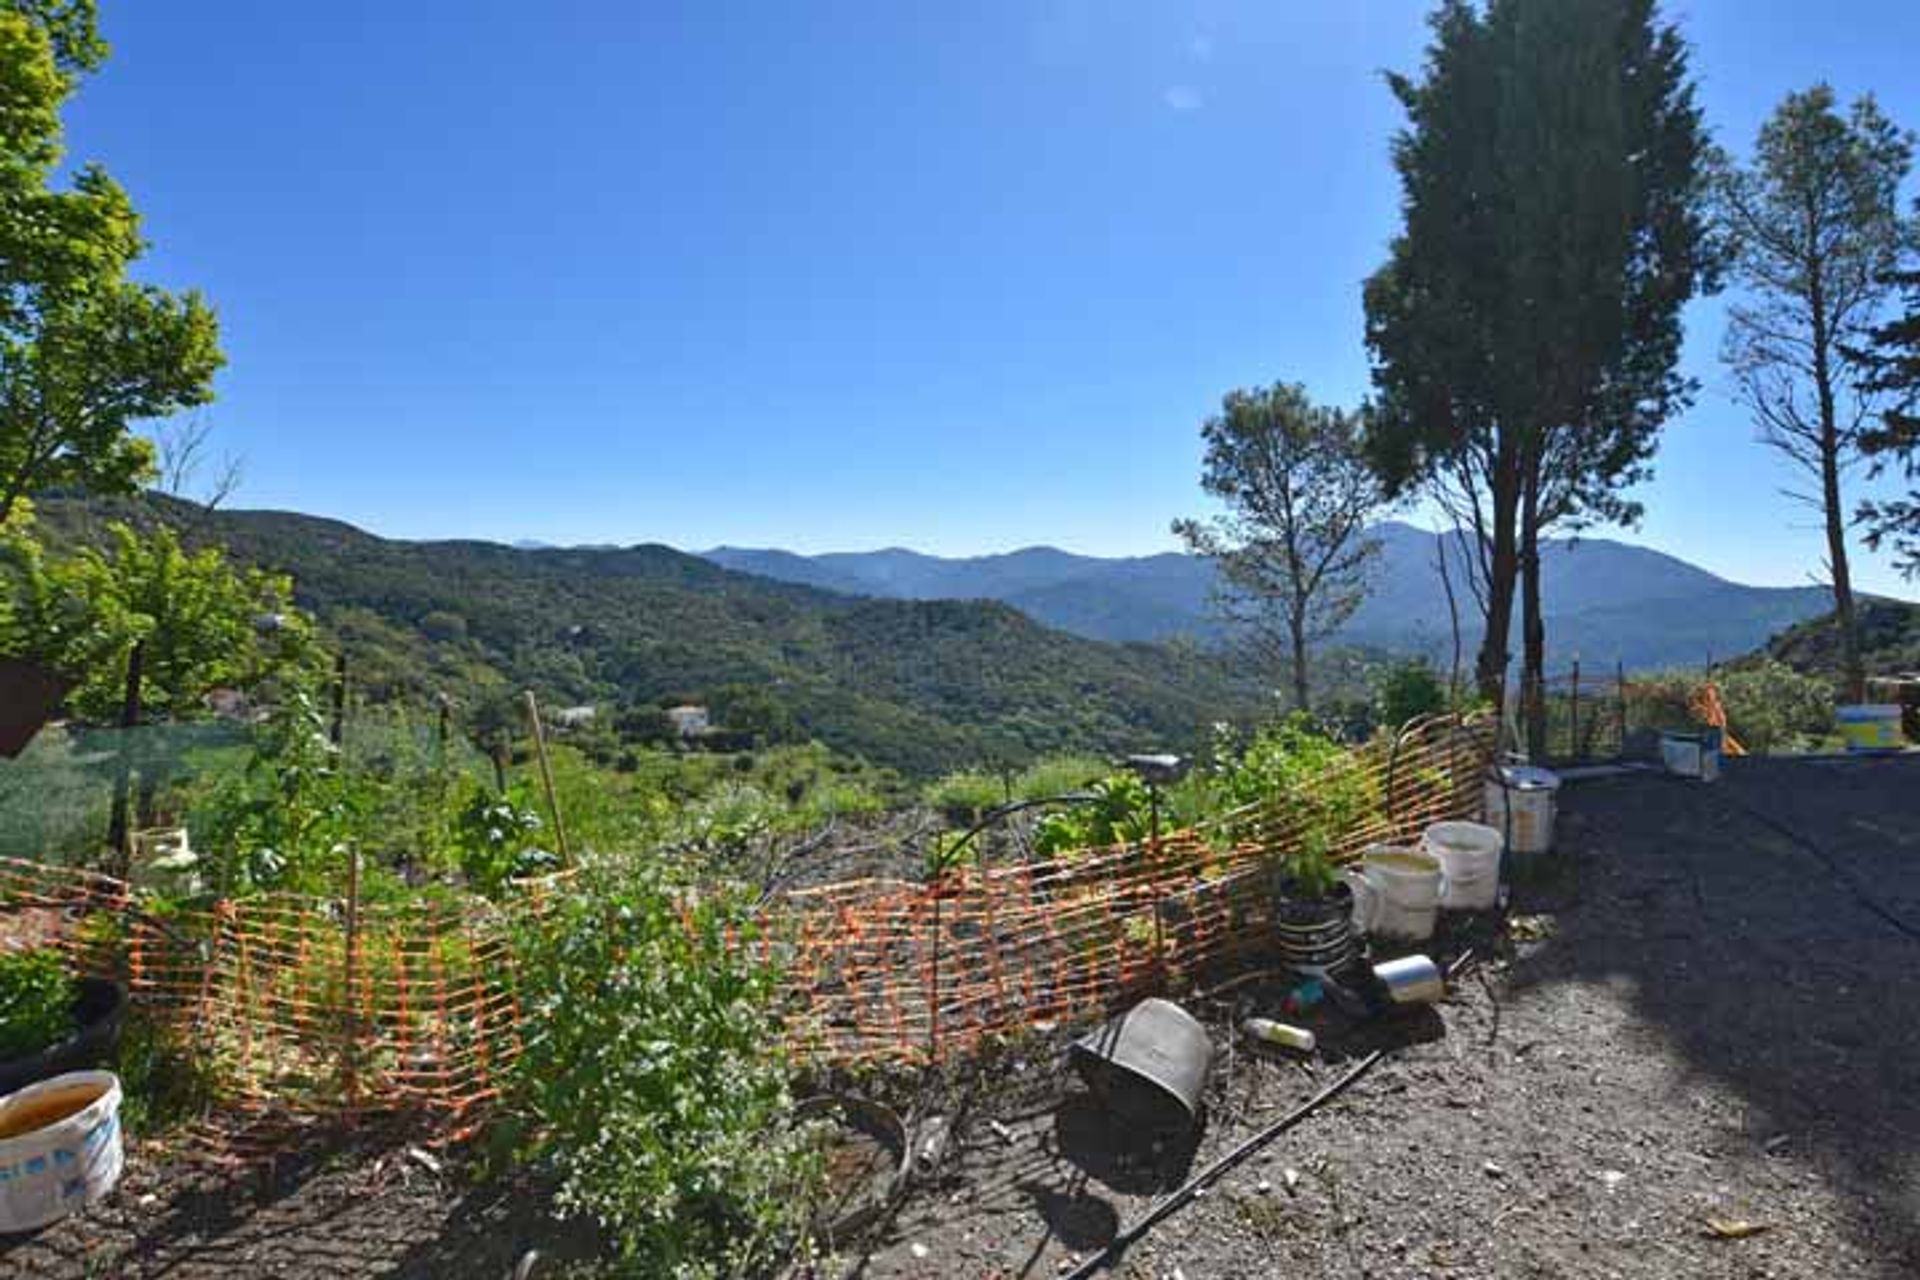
x: 36, y: 1001
x: 1407, y: 690
x: 1301, y: 791
x: 499, y: 840
x: 1058, y: 776
x: 964, y: 797
x: 1119, y: 812
x: 652, y: 1075
x: 1772, y: 707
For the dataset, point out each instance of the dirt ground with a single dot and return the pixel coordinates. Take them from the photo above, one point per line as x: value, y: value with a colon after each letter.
x: 1695, y: 1018
x: 1706, y: 1009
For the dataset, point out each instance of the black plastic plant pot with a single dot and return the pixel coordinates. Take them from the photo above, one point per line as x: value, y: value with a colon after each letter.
x: 98, y: 1014
x: 29, y: 695
x: 1315, y: 935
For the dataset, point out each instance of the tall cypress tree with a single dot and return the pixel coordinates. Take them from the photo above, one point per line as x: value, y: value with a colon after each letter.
x: 1526, y: 327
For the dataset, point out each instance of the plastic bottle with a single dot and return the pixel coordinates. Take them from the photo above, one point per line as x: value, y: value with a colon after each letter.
x: 1271, y: 1032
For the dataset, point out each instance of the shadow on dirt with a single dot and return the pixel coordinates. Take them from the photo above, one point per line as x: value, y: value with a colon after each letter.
x: 1769, y: 928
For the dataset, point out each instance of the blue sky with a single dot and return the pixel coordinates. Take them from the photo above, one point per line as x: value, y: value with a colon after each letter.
x: 961, y: 277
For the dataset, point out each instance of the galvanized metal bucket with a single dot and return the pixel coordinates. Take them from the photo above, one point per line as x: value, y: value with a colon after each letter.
x: 1148, y: 1066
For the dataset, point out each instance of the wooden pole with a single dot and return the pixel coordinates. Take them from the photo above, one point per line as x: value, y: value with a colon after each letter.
x: 337, y: 730
x: 1620, y: 674
x: 546, y: 779
x: 350, y: 975
x: 1573, y: 713
x: 119, y: 828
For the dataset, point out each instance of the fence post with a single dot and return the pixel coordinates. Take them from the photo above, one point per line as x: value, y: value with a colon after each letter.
x: 350, y: 976
x: 337, y: 730
x: 1573, y: 714
x: 119, y: 825
x: 1620, y: 671
x: 546, y: 778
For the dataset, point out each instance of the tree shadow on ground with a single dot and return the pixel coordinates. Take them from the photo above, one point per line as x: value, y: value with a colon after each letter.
x: 1757, y: 923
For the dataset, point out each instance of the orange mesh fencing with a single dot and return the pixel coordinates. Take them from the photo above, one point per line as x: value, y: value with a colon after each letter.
x: 882, y: 969
x: 300, y: 1008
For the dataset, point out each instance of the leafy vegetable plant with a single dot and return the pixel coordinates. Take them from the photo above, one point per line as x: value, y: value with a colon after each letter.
x: 36, y: 1001
x: 653, y: 1075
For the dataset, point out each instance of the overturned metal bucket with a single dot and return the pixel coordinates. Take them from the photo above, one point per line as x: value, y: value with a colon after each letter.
x: 1411, y: 980
x: 1148, y: 1066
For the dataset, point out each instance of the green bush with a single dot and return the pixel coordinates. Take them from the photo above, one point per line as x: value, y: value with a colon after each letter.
x: 1407, y: 690
x: 1058, y: 776
x: 964, y: 797
x: 1296, y: 786
x: 36, y: 1001
x: 499, y: 840
x: 652, y: 1076
x: 1120, y: 812
x: 1771, y: 707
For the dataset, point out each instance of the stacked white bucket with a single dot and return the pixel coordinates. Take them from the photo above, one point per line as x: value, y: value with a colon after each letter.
x: 1399, y: 892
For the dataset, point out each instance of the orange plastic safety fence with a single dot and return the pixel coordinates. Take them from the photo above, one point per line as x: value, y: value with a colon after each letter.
x: 294, y: 1016
x: 892, y: 970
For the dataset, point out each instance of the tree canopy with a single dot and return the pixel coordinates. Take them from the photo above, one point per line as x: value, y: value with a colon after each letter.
x: 1815, y: 230
x: 1891, y: 363
x: 1292, y: 546
x: 85, y: 352
x: 1526, y: 327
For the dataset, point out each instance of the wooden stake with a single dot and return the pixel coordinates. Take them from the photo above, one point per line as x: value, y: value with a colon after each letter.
x: 546, y: 778
x: 350, y: 966
x: 337, y: 730
x: 119, y: 824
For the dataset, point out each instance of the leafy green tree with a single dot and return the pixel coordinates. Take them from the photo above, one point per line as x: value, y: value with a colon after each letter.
x: 1292, y: 548
x: 200, y: 622
x: 1890, y: 362
x: 85, y: 352
x: 49, y: 616
x: 1526, y: 326
x: 1815, y: 230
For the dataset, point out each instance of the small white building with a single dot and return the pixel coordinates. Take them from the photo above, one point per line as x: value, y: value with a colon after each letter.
x: 573, y: 717
x: 689, y: 721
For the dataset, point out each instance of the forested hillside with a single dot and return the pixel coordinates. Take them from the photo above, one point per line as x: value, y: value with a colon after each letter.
x: 918, y: 685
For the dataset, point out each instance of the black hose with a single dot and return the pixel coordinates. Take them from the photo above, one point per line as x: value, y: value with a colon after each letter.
x: 1219, y: 1168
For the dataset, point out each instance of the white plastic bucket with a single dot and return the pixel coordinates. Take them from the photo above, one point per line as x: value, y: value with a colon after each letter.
x: 1871, y: 727
x: 1397, y: 892
x: 1469, y: 853
x: 1526, y: 824
x: 1692, y: 755
x: 62, y: 1151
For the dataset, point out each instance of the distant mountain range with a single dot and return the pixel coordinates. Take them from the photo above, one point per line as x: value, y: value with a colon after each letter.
x: 922, y: 686
x: 1606, y: 601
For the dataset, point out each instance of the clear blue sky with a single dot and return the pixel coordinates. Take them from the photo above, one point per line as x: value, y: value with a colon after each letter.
x: 961, y: 277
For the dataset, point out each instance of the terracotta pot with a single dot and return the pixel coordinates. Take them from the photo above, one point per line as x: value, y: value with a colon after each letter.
x: 29, y: 695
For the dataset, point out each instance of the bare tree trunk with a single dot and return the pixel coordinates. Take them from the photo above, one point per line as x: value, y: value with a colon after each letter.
x: 1491, y: 666
x: 1453, y: 615
x: 1533, y: 627
x: 1297, y: 638
x: 1852, y: 675
x: 1853, y: 672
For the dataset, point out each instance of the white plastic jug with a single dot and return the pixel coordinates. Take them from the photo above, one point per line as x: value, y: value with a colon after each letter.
x: 63, y: 1150
x: 1397, y: 892
x: 1469, y: 853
